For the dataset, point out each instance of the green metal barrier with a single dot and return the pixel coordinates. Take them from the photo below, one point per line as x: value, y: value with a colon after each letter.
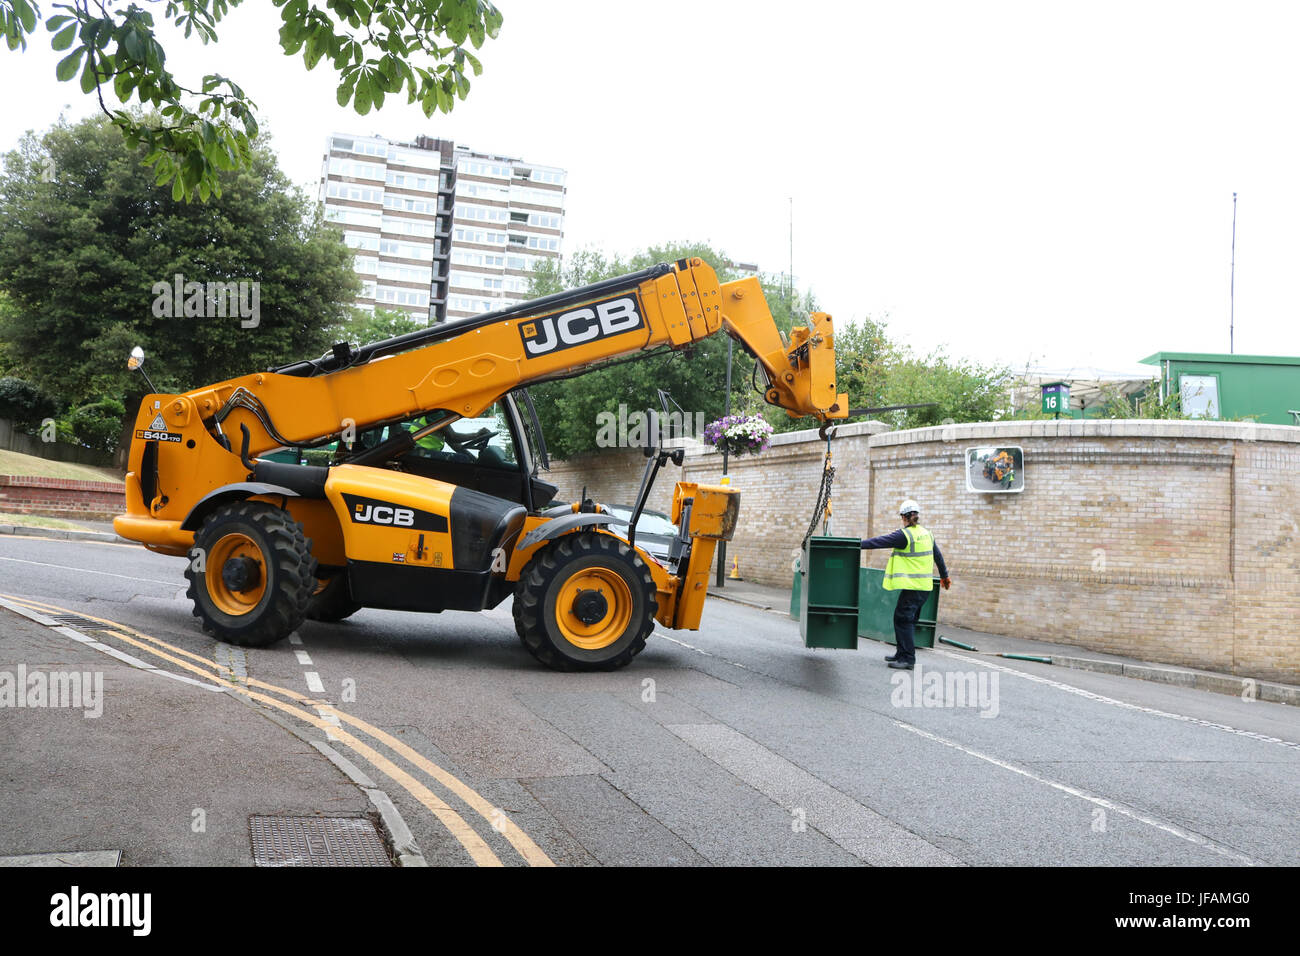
x: 836, y: 601
x: 876, y: 610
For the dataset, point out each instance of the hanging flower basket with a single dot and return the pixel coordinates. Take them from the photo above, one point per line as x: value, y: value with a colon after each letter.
x: 739, y: 435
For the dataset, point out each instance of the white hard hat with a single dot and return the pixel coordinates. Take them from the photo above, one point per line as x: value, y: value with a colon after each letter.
x: 908, y: 506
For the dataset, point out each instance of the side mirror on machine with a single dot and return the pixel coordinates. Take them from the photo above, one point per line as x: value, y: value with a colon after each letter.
x: 135, y: 362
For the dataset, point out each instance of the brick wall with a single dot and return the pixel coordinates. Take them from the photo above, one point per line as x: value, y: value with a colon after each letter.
x: 61, y: 497
x: 1175, y: 542
x: 778, y: 490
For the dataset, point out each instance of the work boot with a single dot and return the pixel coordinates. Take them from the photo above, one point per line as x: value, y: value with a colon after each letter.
x: 891, y: 658
x: 901, y: 665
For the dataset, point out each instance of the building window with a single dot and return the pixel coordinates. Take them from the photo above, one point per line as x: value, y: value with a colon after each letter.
x: 1200, y: 395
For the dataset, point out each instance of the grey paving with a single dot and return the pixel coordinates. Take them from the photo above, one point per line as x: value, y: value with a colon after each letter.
x: 168, y: 773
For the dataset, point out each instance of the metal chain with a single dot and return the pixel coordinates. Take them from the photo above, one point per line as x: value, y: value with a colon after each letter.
x: 823, y: 497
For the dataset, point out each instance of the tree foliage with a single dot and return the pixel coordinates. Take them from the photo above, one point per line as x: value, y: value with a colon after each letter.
x: 377, y: 48
x: 97, y: 425
x: 89, y: 254
x: 366, y: 327
x: 964, y: 391
x: 877, y: 371
x: 25, y: 405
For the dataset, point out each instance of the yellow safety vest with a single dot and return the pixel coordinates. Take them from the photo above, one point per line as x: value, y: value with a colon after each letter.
x: 912, y: 568
x: 430, y: 442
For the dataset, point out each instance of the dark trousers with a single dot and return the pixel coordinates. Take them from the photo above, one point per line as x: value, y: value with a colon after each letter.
x: 906, y: 613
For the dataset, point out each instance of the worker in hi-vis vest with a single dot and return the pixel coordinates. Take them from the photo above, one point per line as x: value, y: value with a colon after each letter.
x: 910, y: 572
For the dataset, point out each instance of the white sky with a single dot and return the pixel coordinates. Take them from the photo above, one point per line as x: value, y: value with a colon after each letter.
x: 1021, y: 182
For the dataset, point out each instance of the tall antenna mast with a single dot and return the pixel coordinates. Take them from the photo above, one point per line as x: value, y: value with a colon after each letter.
x: 1232, y: 277
x: 790, y: 292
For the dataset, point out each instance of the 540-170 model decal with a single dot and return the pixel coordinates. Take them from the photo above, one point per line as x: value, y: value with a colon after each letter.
x: 590, y: 323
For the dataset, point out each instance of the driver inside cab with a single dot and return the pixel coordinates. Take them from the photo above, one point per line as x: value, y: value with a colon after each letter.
x: 431, y: 442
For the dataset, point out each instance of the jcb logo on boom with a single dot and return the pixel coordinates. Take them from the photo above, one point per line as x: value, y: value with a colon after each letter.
x: 382, y: 514
x: 577, y: 327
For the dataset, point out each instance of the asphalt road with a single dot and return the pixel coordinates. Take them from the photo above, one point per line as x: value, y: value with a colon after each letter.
x: 730, y: 745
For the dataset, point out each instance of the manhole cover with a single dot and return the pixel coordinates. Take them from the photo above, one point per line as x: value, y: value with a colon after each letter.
x: 317, y: 841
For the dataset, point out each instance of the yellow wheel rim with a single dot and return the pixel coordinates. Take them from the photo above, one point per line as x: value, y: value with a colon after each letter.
x: 617, y: 611
x: 229, y: 601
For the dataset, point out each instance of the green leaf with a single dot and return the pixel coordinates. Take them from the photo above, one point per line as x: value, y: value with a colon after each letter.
x: 134, y: 46
x: 89, y: 78
x: 26, y: 14
x: 313, y: 52
x: 63, y: 39
x: 291, y: 38
x: 345, y: 90
x: 122, y: 86
x: 69, y: 65
x: 364, y: 97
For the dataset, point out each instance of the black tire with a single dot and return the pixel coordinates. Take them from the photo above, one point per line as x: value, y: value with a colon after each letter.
x: 285, y: 572
x: 333, y: 601
x: 517, y: 611
x: 546, y: 575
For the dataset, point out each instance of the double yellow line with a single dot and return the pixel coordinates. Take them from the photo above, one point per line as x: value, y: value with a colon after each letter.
x: 478, y: 850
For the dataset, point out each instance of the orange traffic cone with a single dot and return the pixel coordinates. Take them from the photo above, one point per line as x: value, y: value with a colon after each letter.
x: 734, y: 573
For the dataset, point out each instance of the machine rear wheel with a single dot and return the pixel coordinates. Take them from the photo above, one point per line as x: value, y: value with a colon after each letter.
x: 253, y: 574
x: 587, y: 602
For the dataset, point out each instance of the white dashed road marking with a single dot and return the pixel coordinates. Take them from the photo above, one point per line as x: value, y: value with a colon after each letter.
x: 1188, y: 835
x: 1079, y: 691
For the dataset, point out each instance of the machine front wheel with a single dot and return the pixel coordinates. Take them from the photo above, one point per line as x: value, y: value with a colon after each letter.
x: 252, y: 574
x: 586, y: 602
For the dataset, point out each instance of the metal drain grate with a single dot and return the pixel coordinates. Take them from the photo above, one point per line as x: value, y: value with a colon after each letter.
x: 81, y: 623
x: 317, y: 841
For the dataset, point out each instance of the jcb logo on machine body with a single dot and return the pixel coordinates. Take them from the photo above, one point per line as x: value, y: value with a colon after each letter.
x: 592, y: 322
x: 382, y: 514
x: 372, y: 511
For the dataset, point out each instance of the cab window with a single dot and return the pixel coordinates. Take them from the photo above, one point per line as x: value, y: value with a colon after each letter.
x: 484, y: 439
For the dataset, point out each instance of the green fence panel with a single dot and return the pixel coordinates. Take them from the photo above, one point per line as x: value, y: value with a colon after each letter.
x: 876, y: 610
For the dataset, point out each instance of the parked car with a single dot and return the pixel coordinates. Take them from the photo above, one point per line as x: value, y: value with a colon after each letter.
x: 655, y: 531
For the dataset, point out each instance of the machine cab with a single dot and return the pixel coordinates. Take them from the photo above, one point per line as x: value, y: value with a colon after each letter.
x: 498, y: 452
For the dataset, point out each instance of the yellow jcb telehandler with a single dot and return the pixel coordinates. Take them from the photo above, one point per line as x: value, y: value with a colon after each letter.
x: 432, y: 499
